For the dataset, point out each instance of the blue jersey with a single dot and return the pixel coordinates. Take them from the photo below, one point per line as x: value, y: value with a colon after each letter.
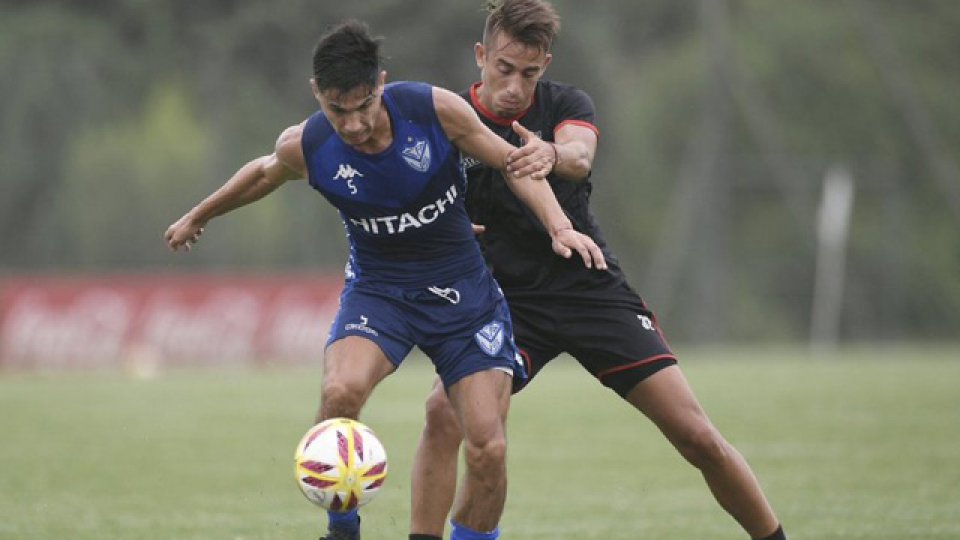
x: 416, y: 276
x: 403, y: 208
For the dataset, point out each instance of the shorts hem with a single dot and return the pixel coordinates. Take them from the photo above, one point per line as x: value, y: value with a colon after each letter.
x: 638, y: 364
x: 623, y: 379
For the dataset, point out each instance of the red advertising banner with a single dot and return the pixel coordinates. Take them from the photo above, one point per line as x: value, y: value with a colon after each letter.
x: 145, y: 322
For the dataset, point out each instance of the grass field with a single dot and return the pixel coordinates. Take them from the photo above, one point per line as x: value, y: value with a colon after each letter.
x: 862, y: 445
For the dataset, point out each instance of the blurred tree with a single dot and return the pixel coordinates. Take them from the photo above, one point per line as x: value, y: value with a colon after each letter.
x: 59, y: 70
x: 716, y: 133
x: 144, y: 163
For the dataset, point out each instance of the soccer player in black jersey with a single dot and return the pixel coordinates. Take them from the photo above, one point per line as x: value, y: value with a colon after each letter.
x: 556, y: 304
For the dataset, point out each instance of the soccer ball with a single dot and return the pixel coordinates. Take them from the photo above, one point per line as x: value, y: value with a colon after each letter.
x: 340, y: 464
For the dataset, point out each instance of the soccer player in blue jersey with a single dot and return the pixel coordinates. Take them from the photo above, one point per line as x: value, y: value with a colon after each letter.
x: 388, y: 157
x: 556, y: 306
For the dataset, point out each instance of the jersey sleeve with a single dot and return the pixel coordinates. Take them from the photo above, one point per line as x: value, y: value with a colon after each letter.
x: 574, y: 106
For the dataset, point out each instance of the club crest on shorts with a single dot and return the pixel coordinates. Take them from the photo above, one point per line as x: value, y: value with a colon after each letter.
x: 490, y: 338
x: 417, y: 154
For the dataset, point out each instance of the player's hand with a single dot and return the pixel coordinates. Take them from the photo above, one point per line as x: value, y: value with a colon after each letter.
x: 183, y: 233
x: 535, y: 158
x: 478, y: 229
x: 565, y: 241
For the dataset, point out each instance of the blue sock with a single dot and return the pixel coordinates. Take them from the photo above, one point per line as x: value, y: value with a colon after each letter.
x: 345, y: 521
x: 463, y: 533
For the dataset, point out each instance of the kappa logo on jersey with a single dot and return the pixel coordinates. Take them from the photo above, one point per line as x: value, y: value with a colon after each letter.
x: 645, y: 322
x: 417, y: 156
x: 490, y: 338
x: 346, y: 172
x: 449, y: 294
x: 361, y: 326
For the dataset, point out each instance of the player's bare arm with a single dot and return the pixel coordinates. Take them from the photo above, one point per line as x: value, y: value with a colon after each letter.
x: 570, y: 155
x: 250, y: 183
x: 468, y: 133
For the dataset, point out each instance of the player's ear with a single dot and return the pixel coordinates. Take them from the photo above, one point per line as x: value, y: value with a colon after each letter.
x: 479, y: 53
x: 381, y: 82
x: 315, y: 88
x: 546, y: 61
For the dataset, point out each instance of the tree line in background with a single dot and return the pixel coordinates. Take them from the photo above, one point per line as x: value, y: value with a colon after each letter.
x: 719, y: 120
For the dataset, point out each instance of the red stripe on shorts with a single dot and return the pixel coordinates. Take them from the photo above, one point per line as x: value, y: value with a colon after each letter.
x: 643, y: 362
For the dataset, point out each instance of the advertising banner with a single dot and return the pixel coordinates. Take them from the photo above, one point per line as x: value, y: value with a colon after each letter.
x: 145, y: 322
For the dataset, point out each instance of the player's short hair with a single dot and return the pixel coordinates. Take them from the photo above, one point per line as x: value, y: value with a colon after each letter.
x: 532, y: 22
x: 347, y: 57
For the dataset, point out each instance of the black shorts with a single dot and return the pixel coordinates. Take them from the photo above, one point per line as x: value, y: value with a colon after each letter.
x: 612, y: 334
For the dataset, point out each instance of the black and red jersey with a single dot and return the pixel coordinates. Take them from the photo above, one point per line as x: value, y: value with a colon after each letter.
x: 515, y: 244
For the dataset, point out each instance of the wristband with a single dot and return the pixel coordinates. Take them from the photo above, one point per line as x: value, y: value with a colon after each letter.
x: 556, y: 154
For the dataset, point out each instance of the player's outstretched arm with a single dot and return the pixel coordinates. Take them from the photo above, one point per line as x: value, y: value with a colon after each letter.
x: 468, y: 133
x: 251, y: 182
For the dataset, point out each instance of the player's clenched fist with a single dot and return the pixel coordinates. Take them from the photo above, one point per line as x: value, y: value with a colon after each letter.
x: 183, y: 233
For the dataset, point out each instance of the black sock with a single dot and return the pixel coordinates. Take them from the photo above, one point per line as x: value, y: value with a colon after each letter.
x: 777, y: 535
x: 424, y: 537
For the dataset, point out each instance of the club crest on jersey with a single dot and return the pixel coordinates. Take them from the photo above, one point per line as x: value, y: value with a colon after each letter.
x: 417, y: 155
x: 490, y: 338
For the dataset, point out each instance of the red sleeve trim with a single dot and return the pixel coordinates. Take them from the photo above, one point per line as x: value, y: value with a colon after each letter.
x: 580, y: 123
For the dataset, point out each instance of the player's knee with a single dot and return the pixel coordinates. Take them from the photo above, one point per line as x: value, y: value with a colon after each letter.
x: 338, y: 399
x: 442, y: 424
x: 488, y: 458
x: 704, y: 447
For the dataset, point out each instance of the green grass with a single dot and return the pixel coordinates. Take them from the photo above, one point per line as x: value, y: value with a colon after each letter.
x: 865, y: 444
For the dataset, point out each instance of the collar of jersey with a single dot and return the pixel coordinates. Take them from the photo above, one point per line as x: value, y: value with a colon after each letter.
x: 490, y: 115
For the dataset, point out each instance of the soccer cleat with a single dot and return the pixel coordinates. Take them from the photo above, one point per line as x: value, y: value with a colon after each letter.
x: 337, y: 534
x: 334, y: 533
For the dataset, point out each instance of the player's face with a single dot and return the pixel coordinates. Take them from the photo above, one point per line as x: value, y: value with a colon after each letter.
x: 509, y: 71
x: 354, y: 113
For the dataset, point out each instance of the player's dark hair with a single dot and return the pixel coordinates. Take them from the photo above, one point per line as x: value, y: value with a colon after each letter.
x: 347, y: 57
x: 532, y: 22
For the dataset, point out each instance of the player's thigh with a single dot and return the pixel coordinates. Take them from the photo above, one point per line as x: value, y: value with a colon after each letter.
x: 481, y: 401
x: 668, y: 400
x: 440, y: 412
x: 356, y: 364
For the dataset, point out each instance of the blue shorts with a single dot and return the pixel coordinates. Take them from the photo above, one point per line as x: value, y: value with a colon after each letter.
x: 464, y: 327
